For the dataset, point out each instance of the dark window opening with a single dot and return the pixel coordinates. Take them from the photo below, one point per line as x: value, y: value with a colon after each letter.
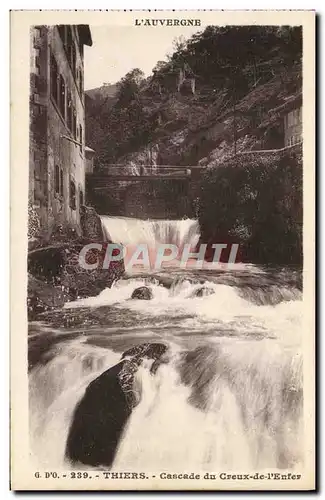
x: 62, y: 96
x: 73, y: 58
x: 72, y: 195
x: 69, y: 110
x: 62, y: 32
x: 66, y: 34
x: 57, y: 179
x: 80, y: 138
x: 81, y: 85
x: 69, y: 41
x: 74, y: 124
x: 54, y: 78
x: 71, y: 50
x: 61, y: 182
x: 81, y: 199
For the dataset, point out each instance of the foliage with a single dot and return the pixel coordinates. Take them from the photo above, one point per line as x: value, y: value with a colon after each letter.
x: 113, y: 129
x: 234, y: 59
x: 256, y: 200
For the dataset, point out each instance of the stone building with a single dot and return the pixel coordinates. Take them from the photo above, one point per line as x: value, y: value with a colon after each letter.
x: 57, y: 124
x: 89, y: 156
x: 287, y: 121
x: 293, y: 125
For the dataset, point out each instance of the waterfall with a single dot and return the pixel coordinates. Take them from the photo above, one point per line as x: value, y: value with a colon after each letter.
x: 229, y: 396
x: 128, y: 231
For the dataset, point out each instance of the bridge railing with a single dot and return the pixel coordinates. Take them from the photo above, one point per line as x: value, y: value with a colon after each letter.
x: 147, y: 171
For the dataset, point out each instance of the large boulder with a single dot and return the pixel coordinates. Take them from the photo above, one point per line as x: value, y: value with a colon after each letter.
x: 100, y: 417
x: 142, y: 293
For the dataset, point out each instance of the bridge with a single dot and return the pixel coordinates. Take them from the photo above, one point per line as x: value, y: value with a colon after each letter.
x: 102, y: 177
x: 151, y: 190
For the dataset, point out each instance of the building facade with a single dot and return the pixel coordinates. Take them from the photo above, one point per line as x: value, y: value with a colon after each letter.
x: 57, y: 124
x: 89, y: 156
x: 293, y: 126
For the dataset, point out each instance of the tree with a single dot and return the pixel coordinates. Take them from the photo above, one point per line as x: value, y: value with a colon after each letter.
x: 129, y: 87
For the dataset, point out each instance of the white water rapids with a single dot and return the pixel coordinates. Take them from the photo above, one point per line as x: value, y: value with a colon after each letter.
x: 230, y: 395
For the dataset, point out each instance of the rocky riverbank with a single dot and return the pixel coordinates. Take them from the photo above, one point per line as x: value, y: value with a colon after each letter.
x: 55, y: 274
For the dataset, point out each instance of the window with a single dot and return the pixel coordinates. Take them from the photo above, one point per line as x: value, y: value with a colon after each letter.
x: 57, y: 179
x: 80, y: 137
x: 54, y: 78
x: 69, y: 41
x: 72, y: 195
x: 69, y: 110
x: 62, y: 96
x: 74, y: 124
x: 73, y: 58
x: 81, y: 198
x: 71, y: 115
x: 62, y: 32
x: 66, y: 34
x: 61, y: 181
x: 81, y: 82
x: 293, y: 118
x: 292, y: 140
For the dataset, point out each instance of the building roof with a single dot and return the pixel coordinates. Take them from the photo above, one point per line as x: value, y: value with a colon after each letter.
x: 85, y: 34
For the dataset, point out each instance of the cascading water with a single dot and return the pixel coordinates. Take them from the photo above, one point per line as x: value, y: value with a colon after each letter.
x: 129, y: 231
x: 229, y: 394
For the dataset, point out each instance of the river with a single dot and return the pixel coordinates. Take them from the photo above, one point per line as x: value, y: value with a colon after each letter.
x: 228, y: 397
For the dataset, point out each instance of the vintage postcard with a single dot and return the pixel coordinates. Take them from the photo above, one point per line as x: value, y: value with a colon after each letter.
x: 162, y: 251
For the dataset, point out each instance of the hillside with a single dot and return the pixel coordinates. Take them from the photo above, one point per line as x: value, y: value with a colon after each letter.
x: 236, y: 95
x: 103, y: 92
x: 221, y: 96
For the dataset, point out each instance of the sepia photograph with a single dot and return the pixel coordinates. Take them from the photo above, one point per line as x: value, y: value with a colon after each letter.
x: 167, y: 271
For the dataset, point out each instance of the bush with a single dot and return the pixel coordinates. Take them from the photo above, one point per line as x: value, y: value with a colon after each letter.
x: 256, y: 200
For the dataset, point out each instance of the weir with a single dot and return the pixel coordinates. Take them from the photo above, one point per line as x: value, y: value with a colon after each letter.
x: 128, y: 231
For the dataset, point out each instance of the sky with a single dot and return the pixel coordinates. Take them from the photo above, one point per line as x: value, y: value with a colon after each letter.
x: 118, y: 49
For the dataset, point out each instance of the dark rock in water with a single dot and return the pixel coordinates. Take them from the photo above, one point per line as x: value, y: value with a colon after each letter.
x: 152, y: 350
x: 99, y: 420
x: 101, y: 415
x: 58, y: 265
x: 43, y: 297
x: 142, y: 293
x: 203, y: 291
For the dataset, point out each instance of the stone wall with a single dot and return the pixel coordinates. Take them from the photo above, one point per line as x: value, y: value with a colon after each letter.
x: 38, y: 175
x: 54, y: 147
